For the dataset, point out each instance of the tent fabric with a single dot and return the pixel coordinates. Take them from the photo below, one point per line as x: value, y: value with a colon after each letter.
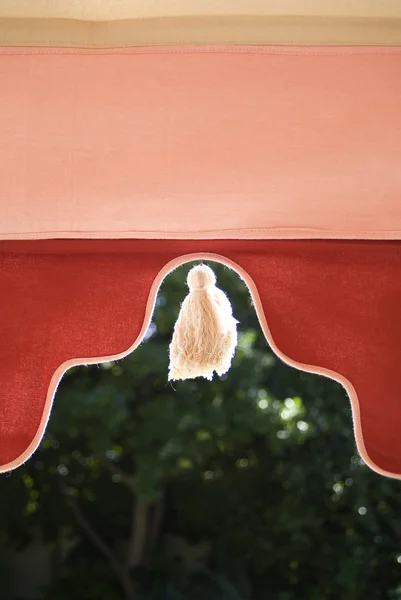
x: 200, y: 30
x: 258, y: 133
x: 326, y: 306
x: 201, y: 142
x: 101, y: 23
x: 104, y: 10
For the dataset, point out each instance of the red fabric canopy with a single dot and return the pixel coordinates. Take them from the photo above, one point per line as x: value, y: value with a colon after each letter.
x: 328, y: 307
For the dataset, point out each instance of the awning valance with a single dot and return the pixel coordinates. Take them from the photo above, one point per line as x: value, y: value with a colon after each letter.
x: 152, y: 134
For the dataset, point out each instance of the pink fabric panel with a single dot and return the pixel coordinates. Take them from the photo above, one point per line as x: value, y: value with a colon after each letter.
x: 201, y: 142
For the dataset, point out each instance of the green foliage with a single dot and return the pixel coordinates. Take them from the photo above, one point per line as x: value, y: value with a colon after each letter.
x: 259, y: 466
x: 5, y: 580
x: 81, y: 583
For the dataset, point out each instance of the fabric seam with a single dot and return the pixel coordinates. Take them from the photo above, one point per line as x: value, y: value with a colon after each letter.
x: 207, y: 49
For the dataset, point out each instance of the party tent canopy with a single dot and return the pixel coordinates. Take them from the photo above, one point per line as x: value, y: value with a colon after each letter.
x: 136, y: 136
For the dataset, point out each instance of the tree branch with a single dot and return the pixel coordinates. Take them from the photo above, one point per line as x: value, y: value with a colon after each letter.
x: 120, y: 571
x: 86, y: 527
x: 116, y: 470
x: 154, y: 528
x: 139, y: 532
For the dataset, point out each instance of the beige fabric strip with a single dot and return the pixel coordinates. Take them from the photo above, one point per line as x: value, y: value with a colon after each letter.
x: 107, y: 10
x: 200, y: 30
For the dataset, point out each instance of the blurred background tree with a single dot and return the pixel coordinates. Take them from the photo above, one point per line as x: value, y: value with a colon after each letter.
x: 245, y: 488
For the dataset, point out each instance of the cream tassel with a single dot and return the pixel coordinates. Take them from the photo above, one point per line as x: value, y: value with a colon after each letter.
x: 205, y: 335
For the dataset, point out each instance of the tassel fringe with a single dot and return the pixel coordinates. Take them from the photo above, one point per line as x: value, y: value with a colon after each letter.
x: 205, y: 335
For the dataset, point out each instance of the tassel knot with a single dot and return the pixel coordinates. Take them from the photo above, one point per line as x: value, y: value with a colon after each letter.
x: 200, y: 278
x: 205, y: 335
